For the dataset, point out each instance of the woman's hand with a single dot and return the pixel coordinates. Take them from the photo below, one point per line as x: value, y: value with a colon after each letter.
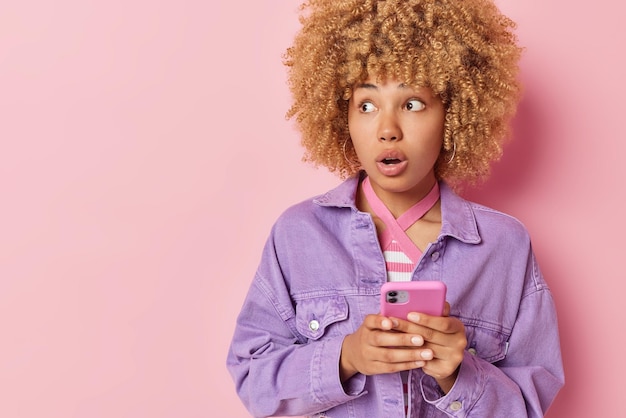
x: 387, y: 345
x: 445, y: 337
x: 377, y: 347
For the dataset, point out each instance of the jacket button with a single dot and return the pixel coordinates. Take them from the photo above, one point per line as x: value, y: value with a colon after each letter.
x: 472, y: 351
x: 456, y: 406
x: 314, y: 325
x: 435, y: 256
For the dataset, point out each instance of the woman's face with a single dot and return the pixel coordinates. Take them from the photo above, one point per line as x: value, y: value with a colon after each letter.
x: 397, y: 133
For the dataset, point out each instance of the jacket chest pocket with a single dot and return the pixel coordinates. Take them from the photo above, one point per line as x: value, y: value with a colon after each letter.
x: 485, y: 343
x: 316, y: 317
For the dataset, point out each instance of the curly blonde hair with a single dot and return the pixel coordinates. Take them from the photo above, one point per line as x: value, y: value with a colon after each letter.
x: 464, y: 50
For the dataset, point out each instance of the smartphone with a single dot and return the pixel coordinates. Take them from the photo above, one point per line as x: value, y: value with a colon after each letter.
x: 397, y: 299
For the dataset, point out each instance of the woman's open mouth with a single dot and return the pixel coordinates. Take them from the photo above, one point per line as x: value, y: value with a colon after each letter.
x: 388, y: 161
x: 391, y: 163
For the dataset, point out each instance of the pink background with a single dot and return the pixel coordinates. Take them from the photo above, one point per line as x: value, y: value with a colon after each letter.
x: 144, y: 156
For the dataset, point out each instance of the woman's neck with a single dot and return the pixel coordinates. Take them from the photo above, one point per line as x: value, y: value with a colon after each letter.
x: 397, y: 202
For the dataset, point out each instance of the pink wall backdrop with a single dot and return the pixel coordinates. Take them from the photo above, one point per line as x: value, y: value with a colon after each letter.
x: 144, y: 156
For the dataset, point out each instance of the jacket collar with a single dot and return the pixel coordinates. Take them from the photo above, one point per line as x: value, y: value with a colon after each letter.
x: 457, y: 214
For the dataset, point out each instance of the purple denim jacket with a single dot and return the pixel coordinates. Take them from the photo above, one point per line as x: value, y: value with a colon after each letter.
x: 320, y: 275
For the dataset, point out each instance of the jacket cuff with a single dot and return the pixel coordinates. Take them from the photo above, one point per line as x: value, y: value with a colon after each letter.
x: 468, y: 387
x: 325, y: 380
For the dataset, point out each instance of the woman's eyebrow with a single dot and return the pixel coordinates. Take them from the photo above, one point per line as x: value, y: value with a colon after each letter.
x: 367, y: 86
x: 375, y: 87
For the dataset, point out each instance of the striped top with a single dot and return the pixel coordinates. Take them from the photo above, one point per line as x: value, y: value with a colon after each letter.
x: 399, y: 265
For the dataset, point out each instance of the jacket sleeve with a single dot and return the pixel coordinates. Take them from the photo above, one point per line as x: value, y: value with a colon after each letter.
x: 526, y: 381
x: 277, y: 371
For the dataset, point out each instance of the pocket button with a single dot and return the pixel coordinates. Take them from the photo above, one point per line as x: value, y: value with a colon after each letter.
x: 456, y: 406
x: 314, y: 325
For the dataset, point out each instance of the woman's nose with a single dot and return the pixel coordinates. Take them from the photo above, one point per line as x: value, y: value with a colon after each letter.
x: 389, y: 128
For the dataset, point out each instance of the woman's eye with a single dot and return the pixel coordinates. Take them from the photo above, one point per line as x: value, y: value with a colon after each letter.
x: 367, y: 107
x: 414, y: 105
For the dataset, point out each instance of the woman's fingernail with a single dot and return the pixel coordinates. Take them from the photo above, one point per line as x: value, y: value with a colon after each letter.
x: 417, y: 341
x: 413, y: 317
